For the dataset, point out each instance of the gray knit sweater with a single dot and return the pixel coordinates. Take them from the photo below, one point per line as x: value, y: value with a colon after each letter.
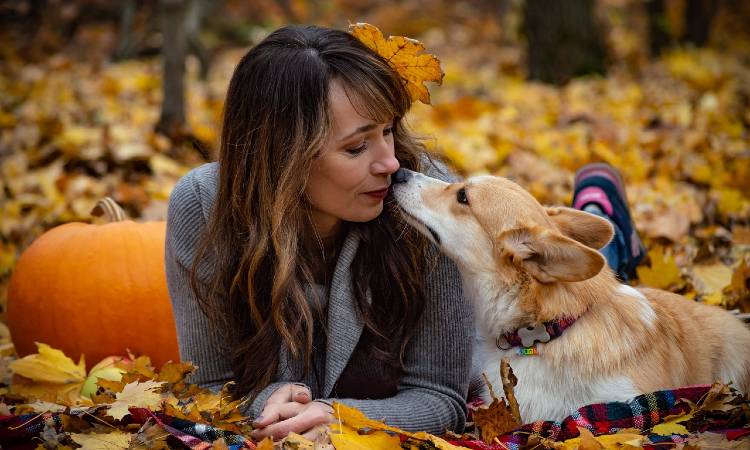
x: 431, y: 393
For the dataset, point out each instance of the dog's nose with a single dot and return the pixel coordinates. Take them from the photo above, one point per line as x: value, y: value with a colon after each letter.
x: 401, y: 176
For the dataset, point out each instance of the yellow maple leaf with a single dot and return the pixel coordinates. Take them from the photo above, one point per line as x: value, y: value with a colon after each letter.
x: 587, y: 441
x: 50, y: 366
x: 663, y: 273
x: 49, y: 376
x: 672, y: 425
x: 297, y: 441
x: 731, y: 202
x: 356, y: 419
x: 101, y: 441
x: 345, y: 437
x: 405, y: 56
x: 138, y: 395
x: 440, y: 443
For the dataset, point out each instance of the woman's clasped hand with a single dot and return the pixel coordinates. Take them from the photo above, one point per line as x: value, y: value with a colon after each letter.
x: 291, y: 409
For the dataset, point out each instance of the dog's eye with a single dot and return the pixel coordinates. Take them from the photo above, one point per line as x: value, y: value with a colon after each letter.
x: 461, y: 197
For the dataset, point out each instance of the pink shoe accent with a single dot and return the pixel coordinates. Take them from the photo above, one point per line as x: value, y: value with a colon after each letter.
x: 602, y: 172
x: 593, y: 194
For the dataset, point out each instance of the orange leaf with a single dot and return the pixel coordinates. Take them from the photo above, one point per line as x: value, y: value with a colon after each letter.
x: 405, y: 56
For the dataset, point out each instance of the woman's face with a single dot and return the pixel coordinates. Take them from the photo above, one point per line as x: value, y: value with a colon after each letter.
x: 351, y: 177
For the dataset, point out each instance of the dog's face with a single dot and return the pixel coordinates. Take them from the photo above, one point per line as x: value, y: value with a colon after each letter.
x: 491, y: 224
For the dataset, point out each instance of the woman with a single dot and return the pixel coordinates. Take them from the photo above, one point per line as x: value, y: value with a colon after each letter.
x: 288, y: 270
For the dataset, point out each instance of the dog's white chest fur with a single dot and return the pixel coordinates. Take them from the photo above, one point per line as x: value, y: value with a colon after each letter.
x: 545, y: 392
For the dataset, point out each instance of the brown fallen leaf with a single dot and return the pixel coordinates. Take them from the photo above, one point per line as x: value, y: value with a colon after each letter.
x: 98, y: 441
x: 151, y: 436
x: 509, y: 383
x: 718, y: 398
x: 741, y: 235
x: 498, y: 418
x: 737, y: 293
x: 172, y: 372
x: 710, y: 440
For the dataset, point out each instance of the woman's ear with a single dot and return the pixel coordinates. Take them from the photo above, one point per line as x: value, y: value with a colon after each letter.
x: 547, y: 255
x: 588, y: 229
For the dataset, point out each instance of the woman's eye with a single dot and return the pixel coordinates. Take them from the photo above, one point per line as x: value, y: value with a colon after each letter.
x: 388, y: 131
x: 357, y: 150
x: 461, y: 197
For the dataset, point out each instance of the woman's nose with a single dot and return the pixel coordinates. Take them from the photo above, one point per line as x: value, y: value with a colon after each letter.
x: 386, y: 162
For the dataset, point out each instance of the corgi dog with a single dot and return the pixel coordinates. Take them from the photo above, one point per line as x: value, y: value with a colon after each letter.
x: 545, y: 299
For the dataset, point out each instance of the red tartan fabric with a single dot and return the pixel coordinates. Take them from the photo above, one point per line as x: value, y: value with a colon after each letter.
x: 643, y: 412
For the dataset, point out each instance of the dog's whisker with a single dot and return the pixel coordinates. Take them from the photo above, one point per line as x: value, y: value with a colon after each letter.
x: 403, y: 231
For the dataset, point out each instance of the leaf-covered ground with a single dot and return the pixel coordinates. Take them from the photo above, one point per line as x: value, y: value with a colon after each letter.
x: 75, y: 128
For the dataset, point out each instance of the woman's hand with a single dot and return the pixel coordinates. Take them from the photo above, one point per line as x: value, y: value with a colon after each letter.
x: 290, y: 409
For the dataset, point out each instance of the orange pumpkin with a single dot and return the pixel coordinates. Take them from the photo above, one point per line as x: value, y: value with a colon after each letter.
x: 96, y: 290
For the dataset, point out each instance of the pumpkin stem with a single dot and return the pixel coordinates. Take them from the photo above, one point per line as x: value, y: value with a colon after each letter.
x: 108, y: 207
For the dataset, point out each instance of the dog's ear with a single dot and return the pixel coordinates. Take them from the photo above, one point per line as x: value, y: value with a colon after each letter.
x: 547, y: 255
x: 588, y: 229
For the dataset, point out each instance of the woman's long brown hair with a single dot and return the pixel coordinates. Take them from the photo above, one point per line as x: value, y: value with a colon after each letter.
x: 276, y: 120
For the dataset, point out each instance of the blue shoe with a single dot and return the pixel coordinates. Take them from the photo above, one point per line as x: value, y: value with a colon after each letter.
x: 601, y: 184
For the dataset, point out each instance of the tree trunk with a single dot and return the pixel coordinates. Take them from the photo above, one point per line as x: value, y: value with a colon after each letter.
x: 174, y: 46
x: 698, y: 17
x: 564, y: 40
x: 658, y: 27
x: 127, y: 45
x: 195, y: 13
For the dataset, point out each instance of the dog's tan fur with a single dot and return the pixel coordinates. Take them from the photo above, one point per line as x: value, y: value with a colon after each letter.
x: 526, y: 264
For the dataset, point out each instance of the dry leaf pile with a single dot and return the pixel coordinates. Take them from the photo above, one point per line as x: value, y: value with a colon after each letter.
x: 99, y: 405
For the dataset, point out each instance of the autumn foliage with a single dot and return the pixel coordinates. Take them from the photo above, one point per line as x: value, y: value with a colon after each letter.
x: 76, y: 127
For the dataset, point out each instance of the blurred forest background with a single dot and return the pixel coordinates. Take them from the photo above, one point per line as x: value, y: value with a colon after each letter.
x: 102, y: 98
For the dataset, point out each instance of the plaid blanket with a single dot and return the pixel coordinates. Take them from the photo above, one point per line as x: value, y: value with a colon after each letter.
x: 642, y: 413
x: 19, y: 432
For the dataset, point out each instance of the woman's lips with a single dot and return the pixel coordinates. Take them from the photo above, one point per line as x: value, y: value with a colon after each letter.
x: 378, y: 194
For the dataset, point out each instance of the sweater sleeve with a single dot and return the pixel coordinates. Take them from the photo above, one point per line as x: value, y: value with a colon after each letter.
x: 185, y: 224
x: 197, y: 343
x: 437, y: 365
